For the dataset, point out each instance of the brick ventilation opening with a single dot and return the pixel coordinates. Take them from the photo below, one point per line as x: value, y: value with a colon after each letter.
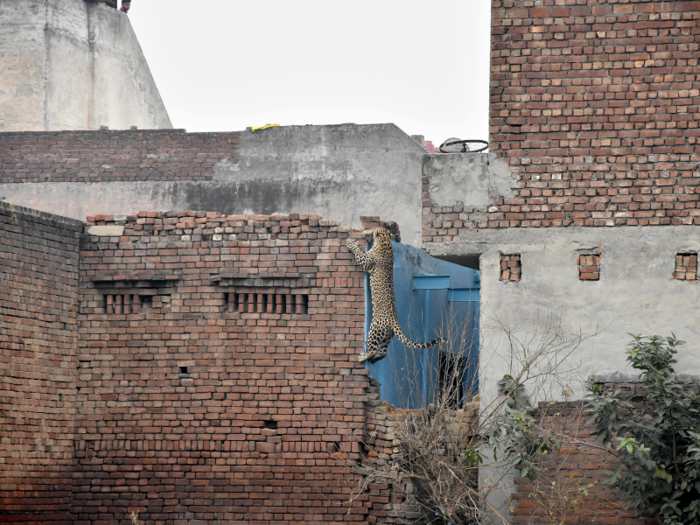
x: 510, y: 268
x: 131, y: 295
x: 686, y: 266
x: 124, y: 304
x: 589, y: 267
x: 269, y: 303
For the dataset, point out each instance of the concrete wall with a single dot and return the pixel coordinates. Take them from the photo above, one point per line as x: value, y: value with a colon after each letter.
x: 471, y: 181
x: 636, y: 293
x: 67, y: 64
x: 340, y: 172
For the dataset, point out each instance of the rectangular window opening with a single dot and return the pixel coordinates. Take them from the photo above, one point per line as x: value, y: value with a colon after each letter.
x: 589, y: 265
x: 511, y: 268
x: 146, y: 301
x: 686, y: 266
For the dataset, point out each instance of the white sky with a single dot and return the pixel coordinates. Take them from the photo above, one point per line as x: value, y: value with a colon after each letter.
x: 224, y: 65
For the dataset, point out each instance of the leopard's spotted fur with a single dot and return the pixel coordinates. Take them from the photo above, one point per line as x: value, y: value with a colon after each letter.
x: 379, y: 264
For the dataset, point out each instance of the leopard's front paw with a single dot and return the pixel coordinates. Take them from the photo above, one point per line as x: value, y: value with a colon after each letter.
x: 351, y: 243
x: 364, y: 357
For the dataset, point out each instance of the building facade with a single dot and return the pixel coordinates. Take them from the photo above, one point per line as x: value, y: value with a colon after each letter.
x: 583, y: 217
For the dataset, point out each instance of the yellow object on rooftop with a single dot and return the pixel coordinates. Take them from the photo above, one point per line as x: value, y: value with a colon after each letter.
x: 258, y: 128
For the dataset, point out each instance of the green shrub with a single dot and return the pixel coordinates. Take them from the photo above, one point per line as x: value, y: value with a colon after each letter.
x: 657, y: 441
x: 517, y: 434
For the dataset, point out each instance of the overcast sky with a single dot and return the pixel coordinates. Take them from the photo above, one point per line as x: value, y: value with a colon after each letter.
x: 224, y: 65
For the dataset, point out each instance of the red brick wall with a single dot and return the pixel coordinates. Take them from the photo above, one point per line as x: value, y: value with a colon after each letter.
x: 268, y: 416
x: 572, y: 489
x: 595, y: 106
x: 38, y: 344
x: 102, y: 156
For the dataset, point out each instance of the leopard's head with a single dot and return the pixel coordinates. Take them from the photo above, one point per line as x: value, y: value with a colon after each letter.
x: 382, y: 237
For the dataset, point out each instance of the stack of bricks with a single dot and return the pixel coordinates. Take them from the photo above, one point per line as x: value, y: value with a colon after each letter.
x: 108, y: 156
x: 382, y: 441
x: 686, y: 267
x: 192, y: 411
x: 374, y: 221
x: 38, y: 344
x: 588, y: 266
x: 595, y: 106
x: 511, y: 269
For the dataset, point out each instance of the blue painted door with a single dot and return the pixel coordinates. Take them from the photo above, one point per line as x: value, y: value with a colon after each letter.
x: 433, y: 298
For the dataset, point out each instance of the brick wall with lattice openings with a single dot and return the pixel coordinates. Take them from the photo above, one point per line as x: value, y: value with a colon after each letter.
x: 252, y: 301
x: 126, y: 303
x: 247, y: 371
x: 123, y: 293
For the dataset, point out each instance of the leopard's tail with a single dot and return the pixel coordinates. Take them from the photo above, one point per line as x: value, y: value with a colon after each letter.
x: 412, y: 344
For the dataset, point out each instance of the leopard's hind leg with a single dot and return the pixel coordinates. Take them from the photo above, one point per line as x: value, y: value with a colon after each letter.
x: 378, y: 340
x: 382, y: 347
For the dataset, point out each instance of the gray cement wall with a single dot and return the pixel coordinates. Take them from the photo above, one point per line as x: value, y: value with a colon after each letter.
x: 67, y: 64
x: 340, y: 172
x: 636, y: 293
x: 472, y: 180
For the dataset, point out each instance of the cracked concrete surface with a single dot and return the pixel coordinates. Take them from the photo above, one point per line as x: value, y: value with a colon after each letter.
x: 69, y: 64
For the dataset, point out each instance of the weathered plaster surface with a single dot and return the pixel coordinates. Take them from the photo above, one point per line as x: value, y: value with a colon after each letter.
x: 636, y: 293
x: 22, y: 65
x: 67, y: 64
x: 473, y: 180
x: 340, y: 172
x: 78, y: 200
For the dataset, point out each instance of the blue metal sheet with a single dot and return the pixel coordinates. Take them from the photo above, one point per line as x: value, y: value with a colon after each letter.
x: 463, y: 295
x: 431, y: 282
x: 425, y: 307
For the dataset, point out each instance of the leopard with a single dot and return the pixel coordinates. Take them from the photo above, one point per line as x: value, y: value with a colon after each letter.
x: 378, y: 262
